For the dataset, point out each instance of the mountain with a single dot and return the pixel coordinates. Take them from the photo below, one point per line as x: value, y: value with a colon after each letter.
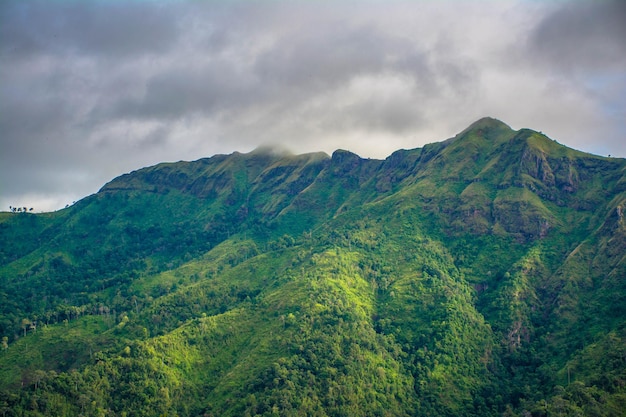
x: 479, y: 276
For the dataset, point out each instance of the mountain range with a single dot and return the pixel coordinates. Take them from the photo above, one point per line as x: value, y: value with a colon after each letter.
x: 484, y: 275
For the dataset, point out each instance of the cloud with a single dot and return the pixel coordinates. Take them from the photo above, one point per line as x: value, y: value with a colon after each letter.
x: 583, y: 36
x: 93, y: 89
x: 314, y: 76
x: 107, y: 29
x: 580, y: 49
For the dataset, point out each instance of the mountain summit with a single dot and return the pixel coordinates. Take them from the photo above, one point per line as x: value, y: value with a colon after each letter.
x: 478, y: 276
x: 488, y: 124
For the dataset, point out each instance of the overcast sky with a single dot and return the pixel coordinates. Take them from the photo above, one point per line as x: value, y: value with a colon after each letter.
x: 90, y: 90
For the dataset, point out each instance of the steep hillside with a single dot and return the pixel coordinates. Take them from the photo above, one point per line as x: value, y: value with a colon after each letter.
x: 482, y: 275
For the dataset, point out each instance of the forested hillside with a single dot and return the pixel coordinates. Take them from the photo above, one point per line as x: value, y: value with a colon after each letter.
x: 480, y: 276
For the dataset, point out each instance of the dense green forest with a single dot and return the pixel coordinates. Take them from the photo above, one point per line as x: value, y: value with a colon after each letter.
x: 480, y: 276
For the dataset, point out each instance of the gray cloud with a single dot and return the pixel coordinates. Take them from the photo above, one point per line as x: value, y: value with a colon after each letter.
x: 93, y: 89
x: 580, y: 48
x: 583, y: 36
x: 111, y: 29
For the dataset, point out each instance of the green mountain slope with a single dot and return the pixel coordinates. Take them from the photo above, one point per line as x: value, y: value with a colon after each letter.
x: 482, y: 275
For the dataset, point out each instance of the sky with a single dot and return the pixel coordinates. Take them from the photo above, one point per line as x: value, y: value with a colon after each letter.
x: 90, y: 90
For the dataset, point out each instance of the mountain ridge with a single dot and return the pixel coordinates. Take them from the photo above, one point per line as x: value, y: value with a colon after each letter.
x: 482, y: 275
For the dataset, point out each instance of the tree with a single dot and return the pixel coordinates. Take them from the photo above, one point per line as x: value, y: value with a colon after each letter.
x: 25, y: 325
x: 5, y: 342
x: 38, y: 376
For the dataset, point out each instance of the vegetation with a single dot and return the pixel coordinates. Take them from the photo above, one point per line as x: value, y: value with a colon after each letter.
x: 480, y: 276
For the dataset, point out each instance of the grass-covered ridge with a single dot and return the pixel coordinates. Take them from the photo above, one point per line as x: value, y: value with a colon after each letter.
x: 482, y: 275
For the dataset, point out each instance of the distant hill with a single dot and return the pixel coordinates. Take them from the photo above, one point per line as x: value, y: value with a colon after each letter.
x: 484, y: 275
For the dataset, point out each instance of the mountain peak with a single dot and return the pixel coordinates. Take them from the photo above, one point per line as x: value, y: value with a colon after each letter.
x: 487, y: 123
x: 271, y: 149
x: 483, y: 132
